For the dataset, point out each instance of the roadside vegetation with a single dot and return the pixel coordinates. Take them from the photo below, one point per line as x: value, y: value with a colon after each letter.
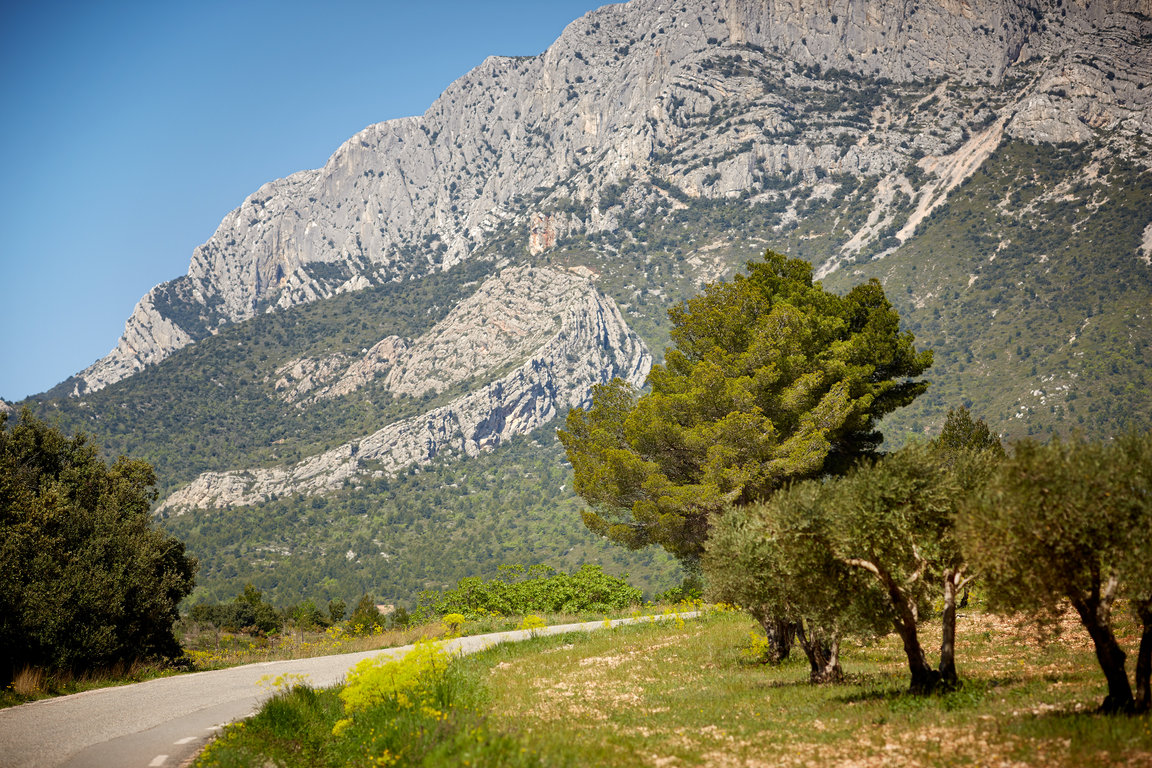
x: 86, y: 581
x: 248, y: 629
x: 700, y: 692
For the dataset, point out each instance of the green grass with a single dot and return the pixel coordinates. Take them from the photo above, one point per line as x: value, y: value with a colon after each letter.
x: 684, y: 693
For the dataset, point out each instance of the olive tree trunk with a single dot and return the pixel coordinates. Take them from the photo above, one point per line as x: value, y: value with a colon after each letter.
x: 954, y: 583
x: 1143, y: 701
x: 924, y: 678
x: 780, y: 632
x: 823, y: 655
x: 1095, y: 616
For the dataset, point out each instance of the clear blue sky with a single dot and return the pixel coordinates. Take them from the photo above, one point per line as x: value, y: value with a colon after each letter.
x: 129, y: 129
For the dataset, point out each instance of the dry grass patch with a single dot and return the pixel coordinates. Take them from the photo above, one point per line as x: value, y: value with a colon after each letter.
x: 659, y: 695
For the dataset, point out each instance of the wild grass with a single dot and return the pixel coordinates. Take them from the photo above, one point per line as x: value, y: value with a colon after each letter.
x: 685, y: 693
x: 655, y: 696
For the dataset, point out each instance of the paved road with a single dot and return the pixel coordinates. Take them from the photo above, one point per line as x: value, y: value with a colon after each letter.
x: 162, y: 723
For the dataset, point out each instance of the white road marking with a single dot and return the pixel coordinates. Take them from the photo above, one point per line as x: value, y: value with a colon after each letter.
x: 157, y: 761
x: 185, y: 740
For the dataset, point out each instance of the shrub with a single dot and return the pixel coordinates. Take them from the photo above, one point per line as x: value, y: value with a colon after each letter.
x: 416, y: 680
x: 518, y: 590
x: 453, y: 622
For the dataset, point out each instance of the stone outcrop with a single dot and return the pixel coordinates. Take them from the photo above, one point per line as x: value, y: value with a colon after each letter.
x: 686, y: 93
x: 556, y: 357
x: 5, y: 407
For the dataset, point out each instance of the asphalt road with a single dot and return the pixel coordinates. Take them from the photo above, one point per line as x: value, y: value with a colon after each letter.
x: 164, y: 722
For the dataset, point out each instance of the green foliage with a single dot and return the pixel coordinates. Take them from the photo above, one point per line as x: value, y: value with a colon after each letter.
x: 307, y: 615
x: 86, y: 581
x: 776, y: 560
x: 247, y: 612
x: 772, y: 379
x: 424, y: 529
x: 1069, y: 521
x: 1061, y: 519
x: 689, y: 591
x: 962, y: 432
x: 519, y: 591
x: 894, y: 518
x: 366, y: 618
x: 337, y: 609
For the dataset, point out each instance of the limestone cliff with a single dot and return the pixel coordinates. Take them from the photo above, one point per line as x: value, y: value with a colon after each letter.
x: 555, y: 355
x: 699, y: 96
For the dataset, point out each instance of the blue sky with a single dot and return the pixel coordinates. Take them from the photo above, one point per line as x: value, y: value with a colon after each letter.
x: 130, y: 129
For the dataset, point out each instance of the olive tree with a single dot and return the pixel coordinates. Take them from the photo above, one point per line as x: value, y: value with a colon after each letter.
x: 969, y: 451
x: 1068, y: 522
x: 892, y: 519
x: 774, y: 560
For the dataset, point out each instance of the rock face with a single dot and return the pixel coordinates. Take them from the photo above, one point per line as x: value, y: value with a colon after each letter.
x: 558, y: 335
x: 5, y: 407
x: 697, y: 95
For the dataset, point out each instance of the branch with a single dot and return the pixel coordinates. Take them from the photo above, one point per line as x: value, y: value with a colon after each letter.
x: 916, y: 574
x: 1110, y: 591
x: 865, y: 565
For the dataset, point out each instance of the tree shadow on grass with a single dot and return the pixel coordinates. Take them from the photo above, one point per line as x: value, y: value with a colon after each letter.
x: 969, y: 694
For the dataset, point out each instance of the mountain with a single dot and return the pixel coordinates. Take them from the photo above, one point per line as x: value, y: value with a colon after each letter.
x: 446, y: 285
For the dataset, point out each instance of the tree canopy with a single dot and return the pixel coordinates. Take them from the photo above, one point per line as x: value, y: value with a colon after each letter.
x: 862, y: 553
x: 85, y: 579
x: 1069, y: 522
x: 771, y: 378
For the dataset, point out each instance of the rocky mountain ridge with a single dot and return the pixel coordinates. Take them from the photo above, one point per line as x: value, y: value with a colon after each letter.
x: 561, y: 335
x: 668, y: 100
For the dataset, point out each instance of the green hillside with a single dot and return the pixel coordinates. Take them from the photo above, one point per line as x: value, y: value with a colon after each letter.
x: 424, y: 529
x: 213, y: 405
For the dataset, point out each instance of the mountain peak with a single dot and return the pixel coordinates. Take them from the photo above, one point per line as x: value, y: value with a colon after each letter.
x: 619, y: 96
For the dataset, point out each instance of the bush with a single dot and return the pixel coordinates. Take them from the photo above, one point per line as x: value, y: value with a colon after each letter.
x: 248, y: 612
x: 366, y: 619
x: 518, y: 590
